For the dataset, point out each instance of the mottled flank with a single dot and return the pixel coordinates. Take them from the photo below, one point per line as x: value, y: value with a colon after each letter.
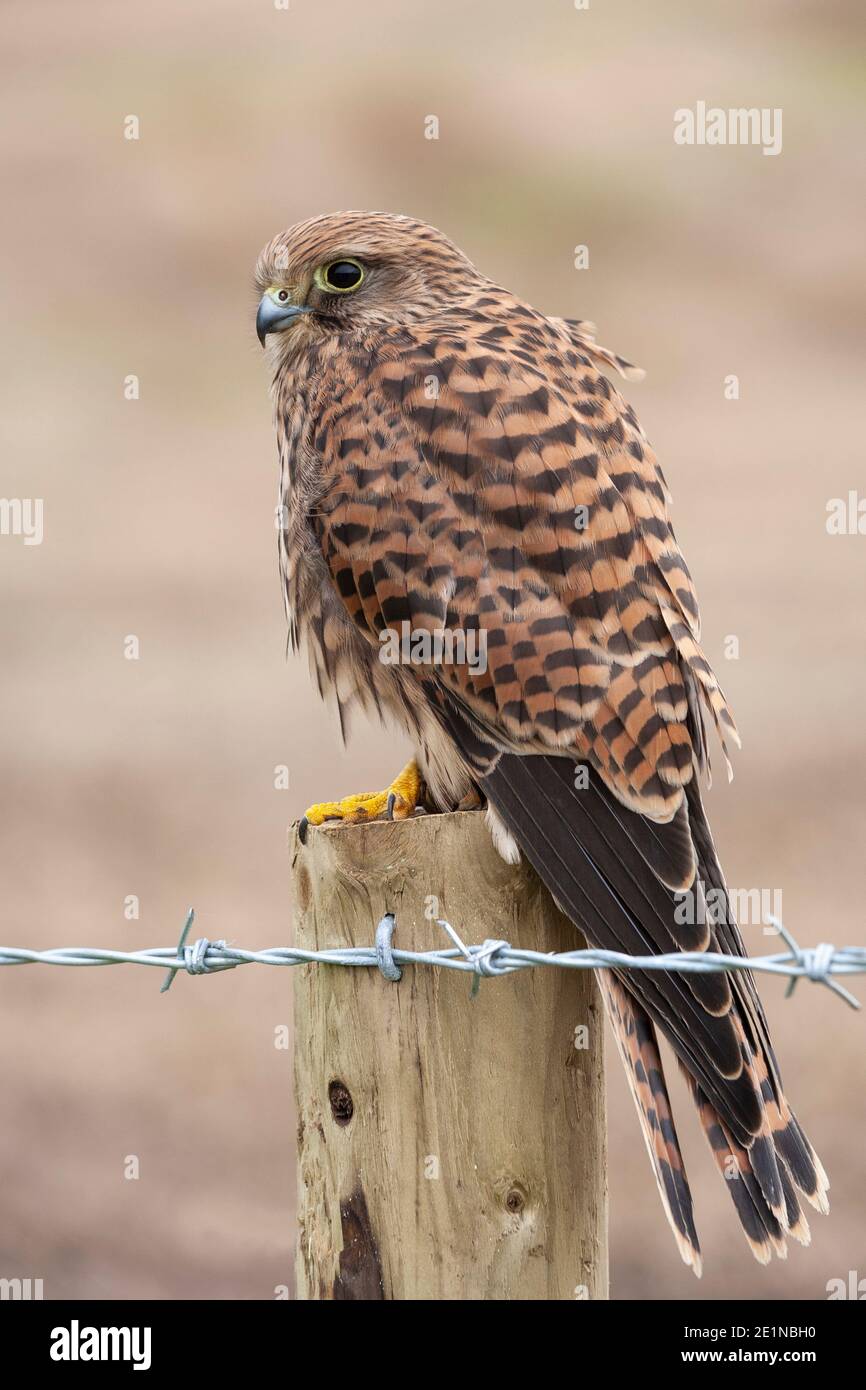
x: 453, y: 459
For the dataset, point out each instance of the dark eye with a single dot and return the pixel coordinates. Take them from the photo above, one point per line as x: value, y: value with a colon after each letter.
x: 283, y: 296
x: 341, y: 276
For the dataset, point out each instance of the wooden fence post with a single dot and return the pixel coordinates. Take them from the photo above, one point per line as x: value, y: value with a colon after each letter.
x: 448, y: 1147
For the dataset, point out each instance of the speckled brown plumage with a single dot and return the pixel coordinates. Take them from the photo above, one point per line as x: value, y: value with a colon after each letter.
x: 453, y: 459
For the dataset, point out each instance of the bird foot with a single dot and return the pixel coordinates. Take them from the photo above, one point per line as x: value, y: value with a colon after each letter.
x: 397, y: 802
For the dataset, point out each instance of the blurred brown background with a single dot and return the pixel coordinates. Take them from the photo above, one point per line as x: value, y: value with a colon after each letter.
x: 155, y: 777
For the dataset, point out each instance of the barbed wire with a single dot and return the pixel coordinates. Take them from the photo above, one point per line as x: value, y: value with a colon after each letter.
x: 493, y: 957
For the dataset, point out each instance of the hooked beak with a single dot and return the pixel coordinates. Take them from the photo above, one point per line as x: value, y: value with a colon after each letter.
x: 273, y: 317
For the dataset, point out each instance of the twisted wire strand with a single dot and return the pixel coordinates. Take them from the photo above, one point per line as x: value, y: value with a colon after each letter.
x: 822, y: 964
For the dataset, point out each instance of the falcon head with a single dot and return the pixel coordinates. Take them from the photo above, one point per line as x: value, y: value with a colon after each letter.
x: 348, y: 270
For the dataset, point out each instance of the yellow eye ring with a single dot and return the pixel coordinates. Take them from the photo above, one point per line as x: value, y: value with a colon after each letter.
x: 339, y: 277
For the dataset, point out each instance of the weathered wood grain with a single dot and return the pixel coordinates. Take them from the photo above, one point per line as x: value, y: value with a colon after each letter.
x: 448, y: 1147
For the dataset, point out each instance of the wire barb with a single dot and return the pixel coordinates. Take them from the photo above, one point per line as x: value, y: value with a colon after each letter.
x: 485, y: 960
x: 170, y: 974
x: 814, y: 962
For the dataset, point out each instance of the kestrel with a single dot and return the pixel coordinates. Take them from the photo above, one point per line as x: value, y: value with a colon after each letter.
x: 458, y: 474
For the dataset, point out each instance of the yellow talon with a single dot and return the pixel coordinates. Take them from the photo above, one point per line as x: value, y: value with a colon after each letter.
x: 395, y: 803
